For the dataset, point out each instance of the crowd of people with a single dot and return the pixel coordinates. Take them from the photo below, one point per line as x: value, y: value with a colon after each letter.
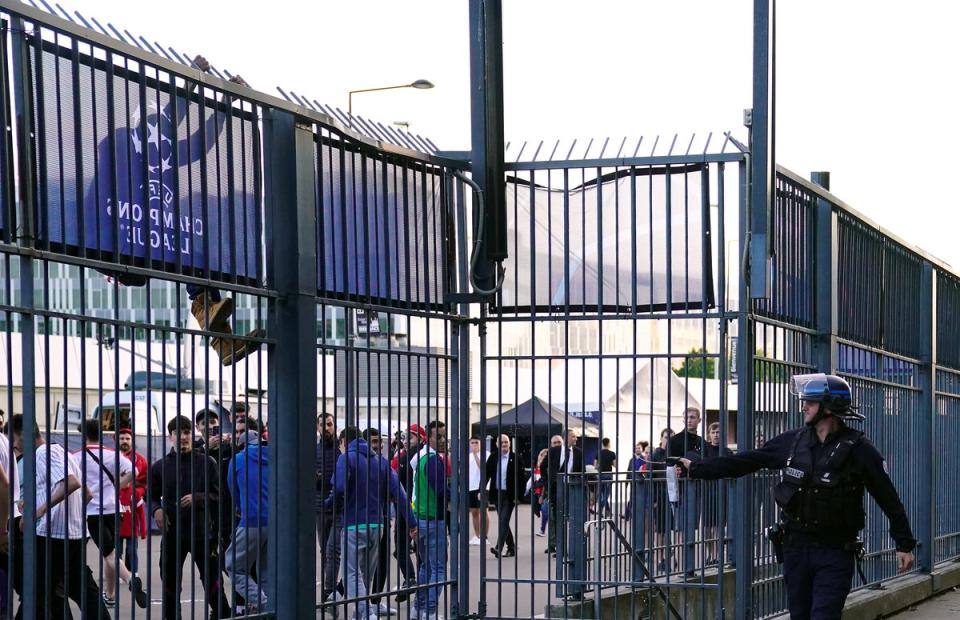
x: 207, y: 497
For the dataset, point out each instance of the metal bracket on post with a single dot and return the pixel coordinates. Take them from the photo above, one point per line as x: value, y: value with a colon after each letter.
x: 290, y: 186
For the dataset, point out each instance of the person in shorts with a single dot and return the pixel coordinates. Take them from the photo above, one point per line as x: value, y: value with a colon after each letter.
x: 106, y: 471
x: 476, y: 461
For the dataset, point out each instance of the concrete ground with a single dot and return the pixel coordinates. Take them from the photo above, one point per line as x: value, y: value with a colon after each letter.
x: 946, y: 605
x: 511, y: 588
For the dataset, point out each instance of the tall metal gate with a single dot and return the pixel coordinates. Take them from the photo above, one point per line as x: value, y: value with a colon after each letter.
x: 614, y: 319
x: 139, y: 191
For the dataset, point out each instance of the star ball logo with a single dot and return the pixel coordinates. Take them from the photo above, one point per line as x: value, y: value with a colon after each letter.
x: 164, y: 228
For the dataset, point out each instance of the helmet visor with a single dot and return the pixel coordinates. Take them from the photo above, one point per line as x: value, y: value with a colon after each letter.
x: 809, y: 387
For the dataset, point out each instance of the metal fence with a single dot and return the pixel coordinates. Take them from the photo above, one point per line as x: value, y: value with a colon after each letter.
x: 174, y: 244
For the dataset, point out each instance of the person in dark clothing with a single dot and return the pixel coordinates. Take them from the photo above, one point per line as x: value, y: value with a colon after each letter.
x: 184, y: 496
x: 328, y: 518
x: 220, y: 448
x: 562, y: 460
x: 687, y: 504
x: 826, y: 467
x: 606, y: 464
x: 503, y: 476
x: 712, y: 522
x: 403, y: 545
x: 662, y: 509
x: 375, y: 445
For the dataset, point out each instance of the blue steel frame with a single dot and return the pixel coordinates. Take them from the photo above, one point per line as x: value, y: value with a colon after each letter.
x: 902, y: 356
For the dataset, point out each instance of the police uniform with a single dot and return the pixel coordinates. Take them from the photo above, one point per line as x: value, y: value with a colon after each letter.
x: 821, y: 502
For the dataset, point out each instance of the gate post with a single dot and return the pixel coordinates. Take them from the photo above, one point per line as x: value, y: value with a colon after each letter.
x: 743, y: 493
x: 926, y: 530
x: 825, y: 279
x: 290, y: 185
x: 23, y: 113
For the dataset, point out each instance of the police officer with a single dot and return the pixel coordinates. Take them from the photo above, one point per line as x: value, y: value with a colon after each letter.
x: 825, y: 467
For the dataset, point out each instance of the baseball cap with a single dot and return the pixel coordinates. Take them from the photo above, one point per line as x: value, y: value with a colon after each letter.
x: 416, y: 428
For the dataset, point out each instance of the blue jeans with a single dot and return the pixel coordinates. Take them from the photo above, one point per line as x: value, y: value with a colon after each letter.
x: 432, y: 546
x: 544, y: 514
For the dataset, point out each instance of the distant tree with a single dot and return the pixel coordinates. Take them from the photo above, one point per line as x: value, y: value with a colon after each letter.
x: 696, y: 366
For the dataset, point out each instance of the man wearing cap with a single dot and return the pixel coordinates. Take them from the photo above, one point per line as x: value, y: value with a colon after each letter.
x: 826, y: 465
x: 247, y: 477
x: 416, y: 437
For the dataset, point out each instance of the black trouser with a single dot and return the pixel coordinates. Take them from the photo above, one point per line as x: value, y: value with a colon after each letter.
x: 505, y: 506
x: 818, y: 580
x: 173, y: 551
x: 66, y: 567
x: 402, y: 548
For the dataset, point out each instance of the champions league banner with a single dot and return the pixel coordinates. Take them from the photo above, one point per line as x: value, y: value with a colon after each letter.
x: 381, y: 228
x: 604, y: 244
x: 132, y: 175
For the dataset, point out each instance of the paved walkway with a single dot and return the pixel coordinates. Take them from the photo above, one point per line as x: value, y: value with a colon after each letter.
x: 946, y: 605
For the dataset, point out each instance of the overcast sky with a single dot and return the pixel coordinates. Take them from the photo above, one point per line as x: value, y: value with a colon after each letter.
x: 866, y: 90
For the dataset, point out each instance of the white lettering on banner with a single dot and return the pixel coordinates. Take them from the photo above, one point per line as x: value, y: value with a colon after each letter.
x: 162, y: 229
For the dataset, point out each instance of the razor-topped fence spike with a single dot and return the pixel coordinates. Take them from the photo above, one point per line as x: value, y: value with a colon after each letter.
x: 100, y: 26
x: 83, y: 20
x: 283, y: 94
x: 147, y: 45
x: 65, y: 13
x: 116, y: 33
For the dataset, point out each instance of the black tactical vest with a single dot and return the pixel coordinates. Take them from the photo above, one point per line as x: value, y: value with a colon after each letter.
x: 822, y: 498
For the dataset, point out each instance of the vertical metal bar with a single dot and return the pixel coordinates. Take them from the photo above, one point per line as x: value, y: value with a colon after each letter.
x: 486, y: 114
x: 290, y: 187
x: 23, y: 112
x: 927, y: 409
x: 762, y: 152
x: 745, y: 414
x: 825, y: 279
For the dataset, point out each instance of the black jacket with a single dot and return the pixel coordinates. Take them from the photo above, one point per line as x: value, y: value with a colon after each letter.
x: 555, y: 468
x: 180, y: 474
x: 513, y: 475
x: 686, y: 444
x: 865, y: 461
x: 328, y: 450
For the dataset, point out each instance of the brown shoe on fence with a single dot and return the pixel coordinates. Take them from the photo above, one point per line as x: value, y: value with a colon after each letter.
x: 211, y: 314
x: 230, y: 350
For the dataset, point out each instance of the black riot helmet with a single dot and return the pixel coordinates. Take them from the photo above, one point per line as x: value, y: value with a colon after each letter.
x: 831, y: 391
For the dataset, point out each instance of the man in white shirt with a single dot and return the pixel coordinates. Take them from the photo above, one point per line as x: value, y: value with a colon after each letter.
x: 59, y: 526
x: 476, y: 461
x: 105, y: 472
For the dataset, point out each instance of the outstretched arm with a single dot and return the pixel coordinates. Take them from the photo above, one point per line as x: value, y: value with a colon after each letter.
x: 773, y: 455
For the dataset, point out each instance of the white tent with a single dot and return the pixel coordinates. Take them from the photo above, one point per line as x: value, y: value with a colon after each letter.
x: 649, y: 401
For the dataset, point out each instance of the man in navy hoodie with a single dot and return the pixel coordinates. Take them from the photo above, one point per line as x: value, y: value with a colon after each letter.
x: 247, y: 477
x: 363, y: 483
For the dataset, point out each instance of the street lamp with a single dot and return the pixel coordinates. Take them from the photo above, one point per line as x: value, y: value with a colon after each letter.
x: 419, y: 85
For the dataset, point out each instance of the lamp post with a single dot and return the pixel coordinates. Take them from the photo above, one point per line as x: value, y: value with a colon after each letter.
x: 350, y: 412
x: 419, y: 85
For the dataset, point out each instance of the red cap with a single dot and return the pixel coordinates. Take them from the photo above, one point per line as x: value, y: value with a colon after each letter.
x: 125, y: 430
x: 416, y: 428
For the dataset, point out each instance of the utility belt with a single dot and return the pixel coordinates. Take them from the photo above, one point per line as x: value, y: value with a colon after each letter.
x: 780, y: 538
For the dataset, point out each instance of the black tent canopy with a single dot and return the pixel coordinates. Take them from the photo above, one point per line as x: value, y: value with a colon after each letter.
x: 535, y: 417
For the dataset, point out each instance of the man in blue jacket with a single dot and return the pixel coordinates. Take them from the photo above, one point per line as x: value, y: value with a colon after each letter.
x: 363, y: 483
x: 247, y: 476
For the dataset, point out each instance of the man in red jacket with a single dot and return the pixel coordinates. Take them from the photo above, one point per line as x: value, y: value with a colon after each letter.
x: 133, y: 520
